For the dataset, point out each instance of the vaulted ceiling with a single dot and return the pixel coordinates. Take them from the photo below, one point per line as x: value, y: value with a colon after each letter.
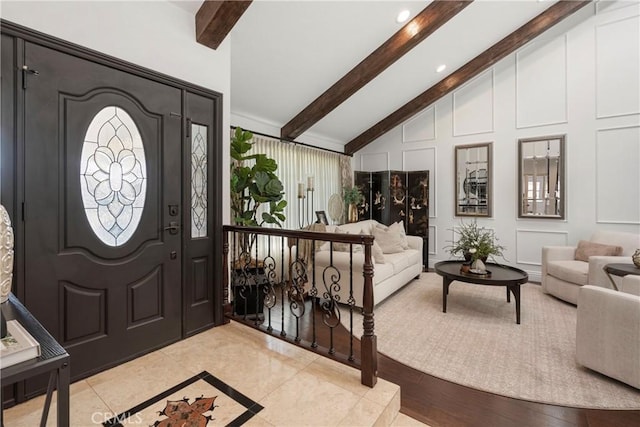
x: 347, y: 72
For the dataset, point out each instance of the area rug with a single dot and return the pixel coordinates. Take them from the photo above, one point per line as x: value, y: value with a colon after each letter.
x: 198, y: 401
x: 477, y: 343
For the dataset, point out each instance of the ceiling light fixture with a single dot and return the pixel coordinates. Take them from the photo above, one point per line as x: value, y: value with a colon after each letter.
x: 403, y: 16
x: 441, y: 68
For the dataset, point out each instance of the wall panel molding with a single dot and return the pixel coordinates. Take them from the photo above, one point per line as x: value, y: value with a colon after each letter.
x: 529, y: 243
x: 618, y: 87
x: 427, y: 161
x: 373, y: 162
x: 473, y: 106
x: 421, y: 127
x: 542, y: 79
x: 433, y: 238
x: 618, y: 194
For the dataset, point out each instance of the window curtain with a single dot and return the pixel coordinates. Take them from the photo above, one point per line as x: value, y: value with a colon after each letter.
x: 296, y: 164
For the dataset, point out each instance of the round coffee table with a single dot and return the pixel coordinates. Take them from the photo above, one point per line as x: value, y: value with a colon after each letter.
x: 501, y: 275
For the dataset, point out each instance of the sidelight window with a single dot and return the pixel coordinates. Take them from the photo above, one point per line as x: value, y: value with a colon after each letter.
x: 198, y: 181
x: 113, y: 176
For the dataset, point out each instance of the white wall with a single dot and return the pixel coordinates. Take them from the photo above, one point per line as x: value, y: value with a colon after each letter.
x: 582, y: 81
x: 153, y: 34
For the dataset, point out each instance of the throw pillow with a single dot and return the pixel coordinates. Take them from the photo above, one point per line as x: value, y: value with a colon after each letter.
x: 586, y: 249
x: 399, y: 228
x: 376, y: 250
x: 377, y: 253
x: 389, y: 241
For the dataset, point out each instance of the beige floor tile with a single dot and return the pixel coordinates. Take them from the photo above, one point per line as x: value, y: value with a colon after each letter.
x: 306, y: 400
x: 403, y: 420
x: 85, y: 408
x: 126, y: 385
x: 339, y: 374
x: 364, y: 413
x: 257, y: 421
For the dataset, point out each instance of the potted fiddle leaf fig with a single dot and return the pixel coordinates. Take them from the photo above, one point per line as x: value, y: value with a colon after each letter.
x: 257, y: 198
x: 253, y: 184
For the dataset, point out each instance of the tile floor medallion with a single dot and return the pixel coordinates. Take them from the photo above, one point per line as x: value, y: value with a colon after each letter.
x: 198, y: 401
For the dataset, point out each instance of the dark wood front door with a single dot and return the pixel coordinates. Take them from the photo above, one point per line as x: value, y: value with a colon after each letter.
x: 102, y: 210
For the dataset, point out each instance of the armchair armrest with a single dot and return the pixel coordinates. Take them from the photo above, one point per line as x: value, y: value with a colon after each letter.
x: 556, y: 253
x: 597, y: 276
x: 607, y: 330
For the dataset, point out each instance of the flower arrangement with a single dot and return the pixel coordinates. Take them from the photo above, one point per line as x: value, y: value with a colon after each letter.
x: 478, y: 242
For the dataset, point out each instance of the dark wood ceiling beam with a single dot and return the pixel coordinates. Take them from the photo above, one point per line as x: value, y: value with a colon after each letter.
x: 215, y: 19
x: 424, y: 24
x: 491, y: 56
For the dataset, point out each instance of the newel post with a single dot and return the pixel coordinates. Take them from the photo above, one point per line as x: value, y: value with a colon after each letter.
x: 369, y: 344
x: 226, y: 306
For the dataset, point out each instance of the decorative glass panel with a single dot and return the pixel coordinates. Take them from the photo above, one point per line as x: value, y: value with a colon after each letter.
x: 198, y: 181
x: 113, y: 175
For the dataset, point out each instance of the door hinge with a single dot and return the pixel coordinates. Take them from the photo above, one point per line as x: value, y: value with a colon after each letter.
x: 188, y: 130
x: 25, y: 72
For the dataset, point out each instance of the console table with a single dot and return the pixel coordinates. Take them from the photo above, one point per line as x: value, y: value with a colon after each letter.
x: 53, y: 359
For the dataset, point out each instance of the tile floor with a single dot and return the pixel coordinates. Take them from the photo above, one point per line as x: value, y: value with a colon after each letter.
x: 295, y: 387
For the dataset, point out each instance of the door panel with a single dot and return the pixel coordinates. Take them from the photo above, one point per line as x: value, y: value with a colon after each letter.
x: 104, y: 303
x: 198, y: 213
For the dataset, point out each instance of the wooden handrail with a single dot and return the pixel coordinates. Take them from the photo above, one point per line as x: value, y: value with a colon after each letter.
x: 363, y: 239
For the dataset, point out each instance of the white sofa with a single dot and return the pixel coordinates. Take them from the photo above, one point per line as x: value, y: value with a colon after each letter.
x: 608, y: 330
x: 563, y: 275
x: 397, y: 270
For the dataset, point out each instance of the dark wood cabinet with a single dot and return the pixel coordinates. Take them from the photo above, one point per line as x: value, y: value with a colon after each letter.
x: 392, y: 196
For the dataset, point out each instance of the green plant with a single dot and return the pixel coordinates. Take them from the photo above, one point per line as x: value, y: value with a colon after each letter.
x: 477, y: 241
x: 352, y: 195
x: 254, y: 185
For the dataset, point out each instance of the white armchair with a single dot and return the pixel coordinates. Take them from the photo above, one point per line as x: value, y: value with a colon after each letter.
x: 608, y: 331
x: 563, y: 275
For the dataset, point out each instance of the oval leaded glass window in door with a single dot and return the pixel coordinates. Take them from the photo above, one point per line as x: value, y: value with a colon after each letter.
x: 113, y: 175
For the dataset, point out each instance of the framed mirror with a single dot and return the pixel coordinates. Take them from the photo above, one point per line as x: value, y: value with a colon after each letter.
x: 541, y: 177
x: 473, y: 180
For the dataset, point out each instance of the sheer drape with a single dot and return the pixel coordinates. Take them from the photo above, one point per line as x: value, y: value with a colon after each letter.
x: 295, y: 165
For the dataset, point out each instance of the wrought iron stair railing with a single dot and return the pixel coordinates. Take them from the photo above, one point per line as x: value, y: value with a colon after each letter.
x: 272, y: 282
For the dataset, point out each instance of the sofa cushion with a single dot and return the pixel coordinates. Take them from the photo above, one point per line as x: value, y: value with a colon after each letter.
x: 382, y: 272
x: 377, y: 254
x: 586, y: 249
x: 569, y: 270
x: 399, y: 261
x: 390, y: 241
x: 413, y: 256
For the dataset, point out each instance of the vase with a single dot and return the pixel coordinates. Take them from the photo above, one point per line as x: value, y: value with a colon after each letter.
x: 353, y: 212
x: 6, y: 254
x: 478, y: 265
x: 636, y: 258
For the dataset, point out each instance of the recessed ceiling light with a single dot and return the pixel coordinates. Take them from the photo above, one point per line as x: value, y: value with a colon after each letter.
x: 403, y: 16
x: 441, y: 68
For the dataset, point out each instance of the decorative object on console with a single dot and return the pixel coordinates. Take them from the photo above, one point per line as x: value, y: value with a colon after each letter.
x: 636, y: 258
x: 6, y: 255
x: 322, y: 217
x: 352, y: 198
x: 336, y: 208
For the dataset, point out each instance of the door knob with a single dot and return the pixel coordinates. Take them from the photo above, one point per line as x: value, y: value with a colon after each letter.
x: 173, y: 227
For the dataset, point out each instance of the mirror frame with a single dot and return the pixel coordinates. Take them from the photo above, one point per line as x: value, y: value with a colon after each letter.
x: 459, y: 152
x: 561, y: 177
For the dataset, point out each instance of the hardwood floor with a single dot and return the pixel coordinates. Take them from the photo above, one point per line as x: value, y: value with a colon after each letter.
x: 437, y: 402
